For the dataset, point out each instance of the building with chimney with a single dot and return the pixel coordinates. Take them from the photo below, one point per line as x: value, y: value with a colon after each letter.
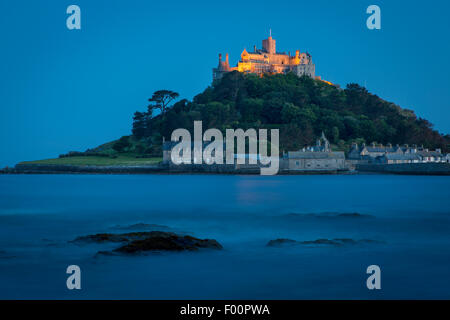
x: 393, y: 154
x: 314, y: 158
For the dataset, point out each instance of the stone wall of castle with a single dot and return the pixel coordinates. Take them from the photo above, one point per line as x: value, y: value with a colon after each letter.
x: 305, y: 70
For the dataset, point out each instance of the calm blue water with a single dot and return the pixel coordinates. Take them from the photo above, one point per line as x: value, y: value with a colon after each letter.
x: 410, y: 215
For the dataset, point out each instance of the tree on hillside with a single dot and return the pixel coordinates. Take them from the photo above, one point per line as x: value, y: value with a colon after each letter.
x: 142, y: 121
x: 121, y: 144
x: 140, y: 124
x: 161, y: 100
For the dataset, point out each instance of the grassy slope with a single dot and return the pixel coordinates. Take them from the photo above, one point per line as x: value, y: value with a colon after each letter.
x: 121, y: 160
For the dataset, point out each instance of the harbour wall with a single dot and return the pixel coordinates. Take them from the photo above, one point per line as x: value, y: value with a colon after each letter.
x: 430, y: 168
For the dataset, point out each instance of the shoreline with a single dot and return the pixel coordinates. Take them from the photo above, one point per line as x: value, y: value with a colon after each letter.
x: 150, y: 169
x: 429, y: 169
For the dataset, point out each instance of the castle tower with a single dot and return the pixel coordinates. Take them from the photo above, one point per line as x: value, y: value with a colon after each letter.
x: 223, y: 65
x: 269, y: 44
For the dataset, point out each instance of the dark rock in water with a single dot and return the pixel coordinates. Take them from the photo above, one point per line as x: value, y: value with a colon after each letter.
x: 280, y: 242
x: 52, y: 243
x: 105, y: 253
x: 328, y: 215
x: 334, y: 242
x: 149, y: 241
x: 370, y: 241
x: 168, y: 242
x: 4, y: 255
x: 329, y: 242
x: 141, y: 226
x: 112, y: 237
x: 354, y: 215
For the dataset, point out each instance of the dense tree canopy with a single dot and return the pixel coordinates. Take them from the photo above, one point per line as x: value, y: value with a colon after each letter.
x: 300, y: 107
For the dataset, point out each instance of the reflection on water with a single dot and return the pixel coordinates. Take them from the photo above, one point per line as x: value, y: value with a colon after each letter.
x: 407, y: 217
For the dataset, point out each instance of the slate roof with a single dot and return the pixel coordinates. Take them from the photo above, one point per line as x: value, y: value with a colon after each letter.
x: 381, y: 149
x: 399, y: 156
x: 429, y: 154
x: 315, y: 155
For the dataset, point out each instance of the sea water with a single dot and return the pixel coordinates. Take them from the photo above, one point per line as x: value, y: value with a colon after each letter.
x: 408, y: 217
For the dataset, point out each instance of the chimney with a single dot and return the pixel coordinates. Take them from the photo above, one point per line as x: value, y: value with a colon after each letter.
x: 226, y: 58
x: 254, y: 48
x: 220, y: 58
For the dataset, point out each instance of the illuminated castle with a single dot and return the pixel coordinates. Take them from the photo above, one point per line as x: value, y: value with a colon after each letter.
x: 268, y: 60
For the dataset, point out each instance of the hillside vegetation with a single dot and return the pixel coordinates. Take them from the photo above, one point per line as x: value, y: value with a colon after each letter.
x: 300, y: 107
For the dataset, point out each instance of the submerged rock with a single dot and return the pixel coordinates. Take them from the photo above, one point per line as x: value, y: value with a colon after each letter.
x: 5, y: 255
x: 354, y: 215
x: 110, y: 237
x: 280, y: 242
x: 334, y: 242
x: 141, y: 226
x: 149, y: 241
x: 328, y: 215
x: 329, y: 242
x: 170, y: 242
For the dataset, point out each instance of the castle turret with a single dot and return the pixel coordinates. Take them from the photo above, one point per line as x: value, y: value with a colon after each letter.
x: 223, y: 65
x: 297, y: 59
x: 269, y: 44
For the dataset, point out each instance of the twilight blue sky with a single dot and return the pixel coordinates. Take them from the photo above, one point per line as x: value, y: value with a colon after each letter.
x: 67, y: 90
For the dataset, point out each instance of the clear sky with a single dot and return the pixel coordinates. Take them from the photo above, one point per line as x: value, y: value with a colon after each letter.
x: 65, y: 90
